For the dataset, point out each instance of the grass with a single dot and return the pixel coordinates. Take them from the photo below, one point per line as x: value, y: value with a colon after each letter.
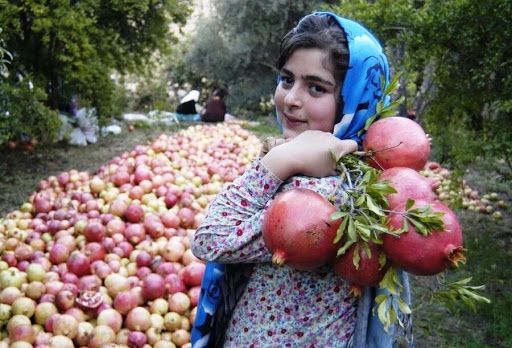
x: 488, y: 241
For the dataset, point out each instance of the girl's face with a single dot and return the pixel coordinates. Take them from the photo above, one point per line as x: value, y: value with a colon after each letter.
x: 306, y: 95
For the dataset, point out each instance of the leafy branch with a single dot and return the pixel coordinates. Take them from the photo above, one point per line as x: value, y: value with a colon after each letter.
x: 424, y: 220
x: 460, y: 291
x: 384, y: 107
x: 364, y: 221
x: 390, y: 304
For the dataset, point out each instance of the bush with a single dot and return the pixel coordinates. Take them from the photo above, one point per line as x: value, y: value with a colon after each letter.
x: 23, y: 114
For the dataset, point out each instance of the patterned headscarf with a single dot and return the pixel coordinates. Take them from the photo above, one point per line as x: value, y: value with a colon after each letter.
x: 360, y: 94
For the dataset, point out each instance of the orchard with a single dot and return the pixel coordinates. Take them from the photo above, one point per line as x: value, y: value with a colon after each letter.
x: 101, y: 258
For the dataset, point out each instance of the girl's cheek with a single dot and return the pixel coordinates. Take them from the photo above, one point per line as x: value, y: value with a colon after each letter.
x: 279, y: 98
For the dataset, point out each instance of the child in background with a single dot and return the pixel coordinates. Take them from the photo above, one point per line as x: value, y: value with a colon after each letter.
x: 329, y: 85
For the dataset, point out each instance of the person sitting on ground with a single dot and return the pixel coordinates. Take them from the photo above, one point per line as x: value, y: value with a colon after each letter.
x: 186, y: 110
x: 215, y: 109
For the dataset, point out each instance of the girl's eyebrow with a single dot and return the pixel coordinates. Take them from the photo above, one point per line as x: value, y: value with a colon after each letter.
x: 311, y: 78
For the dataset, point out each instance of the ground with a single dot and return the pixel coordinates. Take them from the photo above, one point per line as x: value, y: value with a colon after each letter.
x: 488, y: 241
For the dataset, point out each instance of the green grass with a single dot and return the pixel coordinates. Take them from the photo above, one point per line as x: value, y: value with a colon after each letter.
x: 263, y: 128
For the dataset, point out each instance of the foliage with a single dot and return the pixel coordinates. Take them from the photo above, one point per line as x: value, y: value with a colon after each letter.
x: 23, y: 115
x: 5, y: 57
x: 72, y: 47
x: 467, y: 43
x: 238, y: 45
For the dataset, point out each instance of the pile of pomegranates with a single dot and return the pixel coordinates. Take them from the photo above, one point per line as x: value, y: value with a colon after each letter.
x: 93, y: 260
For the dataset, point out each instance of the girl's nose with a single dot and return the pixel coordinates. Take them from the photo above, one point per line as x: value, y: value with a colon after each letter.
x: 293, y: 98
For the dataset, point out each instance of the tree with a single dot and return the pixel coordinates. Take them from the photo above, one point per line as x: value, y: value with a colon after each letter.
x: 458, y: 58
x: 72, y: 47
x: 236, y: 47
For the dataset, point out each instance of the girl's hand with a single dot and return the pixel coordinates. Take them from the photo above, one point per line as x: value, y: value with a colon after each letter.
x: 270, y: 143
x: 307, y: 154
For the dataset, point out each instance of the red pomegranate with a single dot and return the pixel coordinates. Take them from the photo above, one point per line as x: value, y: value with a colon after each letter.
x: 425, y: 255
x: 397, y: 142
x: 369, y: 271
x: 408, y: 183
x: 298, y: 231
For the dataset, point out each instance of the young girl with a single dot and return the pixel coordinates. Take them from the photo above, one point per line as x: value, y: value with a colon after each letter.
x: 329, y: 84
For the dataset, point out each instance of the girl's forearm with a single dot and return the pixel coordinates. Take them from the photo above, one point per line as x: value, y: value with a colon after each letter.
x: 231, y: 231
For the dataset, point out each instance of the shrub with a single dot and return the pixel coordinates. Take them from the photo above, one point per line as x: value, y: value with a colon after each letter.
x: 23, y: 114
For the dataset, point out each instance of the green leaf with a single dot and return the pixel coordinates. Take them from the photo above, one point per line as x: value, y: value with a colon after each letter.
x: 344, y: 248
x: 368, y: 123
x: 390, y: 282
x: 373, y: 207
x: 460, y: 291
x: 356, y: 257
x: 341, y: 231
x: 383, y: 313
x: 364, y: 231
x: 338, y: 215
x: 351, y: 230
x: 393, y: 84
x: 404, y: 307
x: 382, y: 260
x: 360, y: 200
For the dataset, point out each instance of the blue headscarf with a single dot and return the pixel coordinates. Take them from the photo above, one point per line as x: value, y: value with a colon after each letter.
x: 360, y: 94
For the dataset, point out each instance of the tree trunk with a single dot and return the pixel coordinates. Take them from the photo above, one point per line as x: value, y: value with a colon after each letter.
x: 424, y: 93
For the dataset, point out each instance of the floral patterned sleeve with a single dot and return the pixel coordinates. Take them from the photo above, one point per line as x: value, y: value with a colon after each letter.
x: 231, y: 231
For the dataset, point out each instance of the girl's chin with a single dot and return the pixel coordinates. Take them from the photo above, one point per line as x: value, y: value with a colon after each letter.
x: 290, y: 133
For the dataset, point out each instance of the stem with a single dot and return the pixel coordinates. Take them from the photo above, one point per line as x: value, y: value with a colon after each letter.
x: 347, y: 174
x: 360, y: 153
x: 332, y: 196
x: 377, y: 162
x: 387, y: 148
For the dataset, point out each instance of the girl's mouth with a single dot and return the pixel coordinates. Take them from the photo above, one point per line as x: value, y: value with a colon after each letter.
x: 292, y: 122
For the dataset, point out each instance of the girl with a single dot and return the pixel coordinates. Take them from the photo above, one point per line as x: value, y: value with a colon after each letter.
x: 329, y: 84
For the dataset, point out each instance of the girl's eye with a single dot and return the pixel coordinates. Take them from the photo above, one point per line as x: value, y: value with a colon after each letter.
x: 317, y: 90
x: 285, y: 80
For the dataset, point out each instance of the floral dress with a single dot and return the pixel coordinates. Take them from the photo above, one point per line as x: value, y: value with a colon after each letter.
x: 280, y: 306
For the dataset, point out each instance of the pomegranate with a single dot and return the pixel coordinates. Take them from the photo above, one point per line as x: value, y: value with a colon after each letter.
x: 193, y: 273
x: 425, y: 255
x: 111, y: 317
x: 397, y: 142
x: 298, y: 231
x: 89, y: 299
x: 134, y: 213
x: 408, y: 183
x: 153, y: 286
x: 125, y: 301
x: 138, y: 319
x: 101, y: 336
x: 94, y: 231
x: 66, y: 325
x: 79, y: 264
x: 137, y: 339
x: 369, y: 271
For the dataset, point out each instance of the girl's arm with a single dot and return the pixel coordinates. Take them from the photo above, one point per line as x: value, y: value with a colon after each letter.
x: 231, y: 231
